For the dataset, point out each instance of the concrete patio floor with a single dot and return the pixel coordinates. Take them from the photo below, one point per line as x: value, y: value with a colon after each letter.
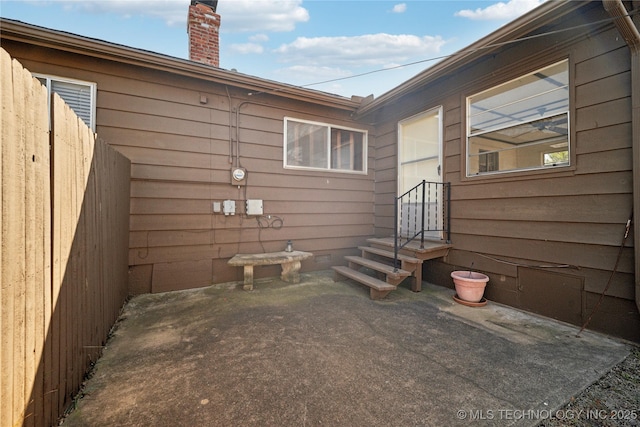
x: 323, y: 353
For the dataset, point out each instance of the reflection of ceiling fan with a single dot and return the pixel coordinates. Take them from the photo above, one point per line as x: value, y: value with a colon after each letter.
x: 556, y: 127
x: 551, y: 126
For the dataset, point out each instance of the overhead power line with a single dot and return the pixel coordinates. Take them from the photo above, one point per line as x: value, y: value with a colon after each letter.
x: 489, y: 46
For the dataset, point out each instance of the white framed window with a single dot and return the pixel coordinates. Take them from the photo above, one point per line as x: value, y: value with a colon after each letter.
x: 520, y: 125
x: 319, y: 146
x: 78, y: 94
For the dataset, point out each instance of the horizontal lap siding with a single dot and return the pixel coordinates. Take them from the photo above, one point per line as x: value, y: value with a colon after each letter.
x: 574, y: 218
x: 386, y: 174
x: 577, y: 219
x: 176, y: 180
x: 180, y: 164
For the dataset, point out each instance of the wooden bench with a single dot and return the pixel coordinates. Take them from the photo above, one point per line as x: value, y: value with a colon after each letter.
x: 290, y: 262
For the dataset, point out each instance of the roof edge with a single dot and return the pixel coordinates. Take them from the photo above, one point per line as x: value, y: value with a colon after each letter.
x: 548, y: 11
x: 23, y: 32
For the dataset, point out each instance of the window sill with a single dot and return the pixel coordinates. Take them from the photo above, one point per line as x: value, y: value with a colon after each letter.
x: 321, y: 170
x: 553, y: 172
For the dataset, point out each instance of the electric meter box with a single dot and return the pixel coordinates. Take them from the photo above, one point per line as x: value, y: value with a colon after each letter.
x: 254, y: 207
x: 238, y: 176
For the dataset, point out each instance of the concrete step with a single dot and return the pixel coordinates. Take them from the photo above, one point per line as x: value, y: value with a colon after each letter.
x: 378, y: 288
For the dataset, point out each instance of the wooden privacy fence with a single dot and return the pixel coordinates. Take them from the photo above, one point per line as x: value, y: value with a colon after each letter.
x: 64, y: 245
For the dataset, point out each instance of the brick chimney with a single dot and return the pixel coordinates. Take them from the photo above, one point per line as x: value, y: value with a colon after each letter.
x: 203, y: 25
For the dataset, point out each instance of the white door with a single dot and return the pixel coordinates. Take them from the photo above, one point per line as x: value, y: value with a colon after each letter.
x: 420, y: 158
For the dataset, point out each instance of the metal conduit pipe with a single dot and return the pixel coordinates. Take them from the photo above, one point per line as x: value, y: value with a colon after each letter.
x: 243, y: 103
x: 230, y: 126
x: 631, y: 35
x: 237, y: 126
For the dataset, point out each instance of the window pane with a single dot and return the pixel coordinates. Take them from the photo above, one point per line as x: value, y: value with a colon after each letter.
x: 488, y: 161
x: 77, y: 96
x: 522, y: 124
x: 413, y: 173
x: 526, y: 146
x: 306, y: 145
x: 358, y: 152
x: 320, y: 146
x: 528, y: 98
x: 556, y: 158
x: 346, y: 150
x: 421, y: 138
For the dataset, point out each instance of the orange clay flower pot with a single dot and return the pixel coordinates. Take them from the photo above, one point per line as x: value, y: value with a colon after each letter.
x: 469, y: 285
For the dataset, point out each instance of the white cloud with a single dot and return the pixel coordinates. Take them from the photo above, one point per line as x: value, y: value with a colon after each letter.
x: 254, y: 47
x: 259, y: 38
x: 261, y: 15
x: 399, y: 8
x: 366, y: 50
x: 173, y: 12
x: 310, y: 73
x: 246, y: 48
x: 236, y: 15
x: 501, y: 11
x: 312, y: 77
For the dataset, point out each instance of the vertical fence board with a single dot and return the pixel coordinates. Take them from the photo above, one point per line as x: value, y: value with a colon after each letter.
x: 6, y: 125
x: 84, y: 285
x: 33, y: 249
x: 20, y: 333
x: 6, y: 302
x: 63, y: 249
x: 65, y: 217
x: 18, y: 247
x: 14, y: 241
x: 41, y: 392
x: 31, y: 190
x: 42, y: 278
x: 59, y: 251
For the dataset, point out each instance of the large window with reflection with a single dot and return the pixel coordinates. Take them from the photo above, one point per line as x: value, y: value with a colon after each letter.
x: 520, y: 125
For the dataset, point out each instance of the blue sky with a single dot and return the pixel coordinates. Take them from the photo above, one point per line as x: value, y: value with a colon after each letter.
x: 300, y: 42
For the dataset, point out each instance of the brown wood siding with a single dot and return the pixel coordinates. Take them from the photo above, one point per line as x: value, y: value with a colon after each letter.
x: 385, y: 177
x: 181, y: 162
x: 574, y: 216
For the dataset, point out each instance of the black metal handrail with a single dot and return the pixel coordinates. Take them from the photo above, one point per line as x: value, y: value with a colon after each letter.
x: 423, y: 209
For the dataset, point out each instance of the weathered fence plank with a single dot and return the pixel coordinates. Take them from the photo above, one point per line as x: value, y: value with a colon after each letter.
x: 42, y: 256
x: 6, y: 292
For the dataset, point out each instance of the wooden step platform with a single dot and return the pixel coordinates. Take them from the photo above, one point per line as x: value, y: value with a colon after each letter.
x: 432, y: 248
x: 378, y: 288
x: 393, y: 275
x: 407, y: 263
x: 389, y: 254
x: 379, y: 258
